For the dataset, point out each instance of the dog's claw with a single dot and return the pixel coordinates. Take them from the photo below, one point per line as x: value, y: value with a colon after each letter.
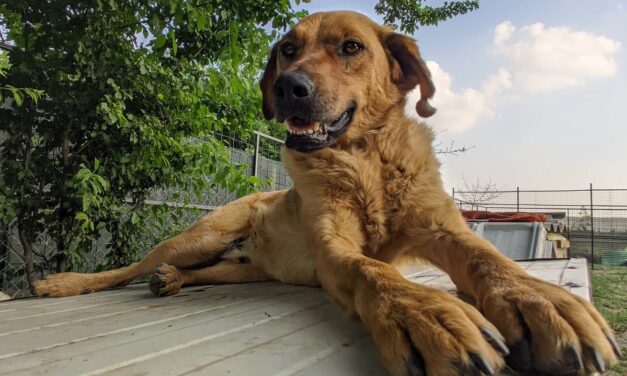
x: 614, y: 344
x: 495, y: 341
x: 481, y: 364
x: 415, y: 363
x: 596, y: 358
x: 573, y: 358
x: 520, y: 356
x: 469, y: 370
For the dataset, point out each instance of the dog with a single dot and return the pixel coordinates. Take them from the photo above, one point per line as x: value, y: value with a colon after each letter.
x: 367, y: 192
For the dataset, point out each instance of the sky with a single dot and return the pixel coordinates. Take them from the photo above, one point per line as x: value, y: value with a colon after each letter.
x: 537, y: 89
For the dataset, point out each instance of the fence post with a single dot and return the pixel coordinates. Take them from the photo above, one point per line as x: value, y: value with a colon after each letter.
x: 256, y: 159
x: 591, y: 226
x: 568, y: 223
x: 518, y: 199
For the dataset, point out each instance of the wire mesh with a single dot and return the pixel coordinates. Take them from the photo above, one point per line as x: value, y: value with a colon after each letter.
x: 263, y: 159
x: 595, y: 220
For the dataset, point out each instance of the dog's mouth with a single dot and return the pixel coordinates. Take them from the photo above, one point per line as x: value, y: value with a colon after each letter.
x: 310, y: 135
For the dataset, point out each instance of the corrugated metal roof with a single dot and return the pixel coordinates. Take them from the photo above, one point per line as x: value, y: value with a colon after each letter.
x: 252, y: 329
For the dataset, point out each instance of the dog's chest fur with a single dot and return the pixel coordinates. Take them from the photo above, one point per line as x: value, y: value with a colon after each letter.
x: 370, y: 178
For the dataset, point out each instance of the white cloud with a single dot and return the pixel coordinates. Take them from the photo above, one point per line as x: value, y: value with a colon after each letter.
x: 536, y: 59
x: 503, y: 32
x: 550, y: 58
x: 458, y: 111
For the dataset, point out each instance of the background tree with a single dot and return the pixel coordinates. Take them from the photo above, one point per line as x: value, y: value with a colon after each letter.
x: 135, y: 91
x: 584, y: 222
x: 479, y: 193
x: 408, y: 15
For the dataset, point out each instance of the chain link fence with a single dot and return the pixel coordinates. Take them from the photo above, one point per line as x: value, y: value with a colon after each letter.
x: 262, y: 155
x: 594, y: 220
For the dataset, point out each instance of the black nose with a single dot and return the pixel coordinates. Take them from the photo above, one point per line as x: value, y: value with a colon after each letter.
x: 293, y: 87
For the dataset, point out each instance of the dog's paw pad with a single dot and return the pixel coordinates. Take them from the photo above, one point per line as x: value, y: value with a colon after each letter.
x: 165, y: 281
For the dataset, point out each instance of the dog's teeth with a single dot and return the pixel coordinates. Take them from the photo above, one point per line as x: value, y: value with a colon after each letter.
x: 310, y: 131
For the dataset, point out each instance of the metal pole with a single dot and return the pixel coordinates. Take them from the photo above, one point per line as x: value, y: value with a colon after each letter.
x: 591, y: 226
x: 568, y: 229
x: 517, y: 199
x: 256, y: 159
x: 568, y: 222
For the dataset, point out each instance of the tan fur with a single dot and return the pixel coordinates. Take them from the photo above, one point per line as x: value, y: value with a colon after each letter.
x: 372, y: 198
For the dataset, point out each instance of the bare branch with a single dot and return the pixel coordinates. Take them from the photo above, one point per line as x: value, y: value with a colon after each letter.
x: 479, y: 193
x: 450, y: 149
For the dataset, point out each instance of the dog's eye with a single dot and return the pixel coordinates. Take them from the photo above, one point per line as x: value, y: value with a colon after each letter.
x: 288, y: 49
x: 351, y: 48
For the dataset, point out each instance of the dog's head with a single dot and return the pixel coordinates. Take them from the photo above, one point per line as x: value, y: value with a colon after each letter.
x: 336, y: 74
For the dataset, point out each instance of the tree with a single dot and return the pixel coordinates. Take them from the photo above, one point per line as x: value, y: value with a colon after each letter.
x: 130, y: 88
x: 479, y: 193
x: 584, y: 220
x: 407, y: 15
x: 134, y: 93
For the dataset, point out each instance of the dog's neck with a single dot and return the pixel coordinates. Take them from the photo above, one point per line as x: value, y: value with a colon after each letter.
x: 398, y: 142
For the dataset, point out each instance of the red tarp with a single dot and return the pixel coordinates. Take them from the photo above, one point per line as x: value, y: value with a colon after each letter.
x: 505, y: 217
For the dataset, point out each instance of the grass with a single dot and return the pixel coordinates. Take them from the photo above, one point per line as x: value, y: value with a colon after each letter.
x: 609, y: 295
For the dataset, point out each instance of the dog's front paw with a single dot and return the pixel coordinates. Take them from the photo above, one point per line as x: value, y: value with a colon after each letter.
x: 548, y: 329
x: 422, y: 331
x: 166, y: 280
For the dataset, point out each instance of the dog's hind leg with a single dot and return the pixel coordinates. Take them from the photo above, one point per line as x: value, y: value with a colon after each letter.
x: 201, y: 242
x: 168, y: 280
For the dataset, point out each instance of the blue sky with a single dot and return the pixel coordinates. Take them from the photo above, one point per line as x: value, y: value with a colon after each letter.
x: 538, y: 88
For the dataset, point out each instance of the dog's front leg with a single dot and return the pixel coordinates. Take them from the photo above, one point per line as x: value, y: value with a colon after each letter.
x: 418, y: 330
x: 548, y: 329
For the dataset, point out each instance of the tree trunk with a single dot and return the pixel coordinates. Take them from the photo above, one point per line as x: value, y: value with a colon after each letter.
x: 27, y: 247
x: 63, y: 204
x: 4, y: 252
x: 61, y: 263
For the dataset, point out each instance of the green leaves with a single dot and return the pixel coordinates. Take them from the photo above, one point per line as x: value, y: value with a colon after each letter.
x: 134, y: 93
x: 89, y: 188
x: 17, y: 94
x: 173, y: 40
x: 407, y: 15
x: 160, y: 41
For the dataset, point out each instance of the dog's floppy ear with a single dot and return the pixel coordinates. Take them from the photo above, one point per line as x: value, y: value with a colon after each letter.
x: 408, y: 70
x: 267, y: 83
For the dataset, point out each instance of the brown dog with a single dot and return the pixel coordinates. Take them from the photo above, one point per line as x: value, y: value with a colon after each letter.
x: 367, y: 192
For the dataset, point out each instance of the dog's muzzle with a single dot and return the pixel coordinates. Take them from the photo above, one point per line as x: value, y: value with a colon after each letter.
x: 309, y: 126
